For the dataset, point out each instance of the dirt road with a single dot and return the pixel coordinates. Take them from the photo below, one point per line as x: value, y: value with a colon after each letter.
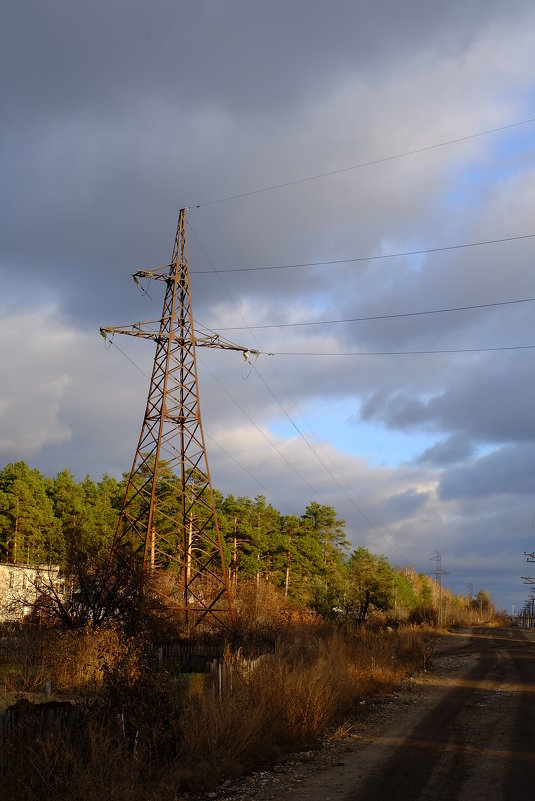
x: 464, y: 732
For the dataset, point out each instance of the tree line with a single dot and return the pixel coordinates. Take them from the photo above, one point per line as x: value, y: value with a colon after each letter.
x: 307, y: 557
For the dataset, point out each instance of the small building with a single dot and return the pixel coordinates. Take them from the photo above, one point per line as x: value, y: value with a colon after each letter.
x: 20, y: 585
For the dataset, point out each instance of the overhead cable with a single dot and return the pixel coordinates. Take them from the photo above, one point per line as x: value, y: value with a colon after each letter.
x: 259, y: 429
x: 355, y: 259
x: 291, y: 420
x: 218, y: 444
x: 378, y: 529
x: 361, y: 165
x: 208, y: 259
x: 401, y: 352
x: 381, y: 316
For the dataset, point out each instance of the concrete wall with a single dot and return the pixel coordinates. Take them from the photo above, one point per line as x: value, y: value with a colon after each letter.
x: 20, y: 585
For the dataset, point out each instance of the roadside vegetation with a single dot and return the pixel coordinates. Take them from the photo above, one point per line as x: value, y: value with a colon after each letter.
x: 135, y: 709
x: 139, y: 727
x: 68, y: 523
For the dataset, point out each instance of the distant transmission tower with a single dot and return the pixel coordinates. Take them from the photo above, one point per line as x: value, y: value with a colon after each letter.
x: 438, y: 581
x: 168, y: 517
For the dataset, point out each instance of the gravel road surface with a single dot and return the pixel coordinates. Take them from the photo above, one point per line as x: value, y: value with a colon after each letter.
x: 465, y: 731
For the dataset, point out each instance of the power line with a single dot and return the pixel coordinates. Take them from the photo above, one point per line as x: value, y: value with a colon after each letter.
x: 292, y: 467
x: 382, y: 316
x: 386, y: 536
x: 379, y: 530
x: 351, y: 260
x: 259, y: 429
x: 356, y: 259
x: 401, y: 352
x: 248, y: 472
x: 143, y: 373
x: 215, y: 442
x: 361, y: 165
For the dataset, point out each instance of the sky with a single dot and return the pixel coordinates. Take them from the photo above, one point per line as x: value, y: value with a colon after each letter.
x: 351, y: 147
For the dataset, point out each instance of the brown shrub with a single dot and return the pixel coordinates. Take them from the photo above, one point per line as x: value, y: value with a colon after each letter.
x: 261, y: 607
x: 150, y: 732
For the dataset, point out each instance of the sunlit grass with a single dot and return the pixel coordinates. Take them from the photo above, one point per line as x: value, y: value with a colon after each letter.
x: 146, y: 731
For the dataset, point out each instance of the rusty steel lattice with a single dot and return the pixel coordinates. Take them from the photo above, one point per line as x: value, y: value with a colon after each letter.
x: 168, y: 517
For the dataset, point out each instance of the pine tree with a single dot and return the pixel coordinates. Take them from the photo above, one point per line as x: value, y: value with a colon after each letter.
x: 29, y: 530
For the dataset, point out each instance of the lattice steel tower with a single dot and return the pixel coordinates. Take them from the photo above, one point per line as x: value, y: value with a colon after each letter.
x: 168, y: 516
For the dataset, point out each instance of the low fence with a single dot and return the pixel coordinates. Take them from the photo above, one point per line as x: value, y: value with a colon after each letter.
x: 25, y: 720
x: 223, y: 663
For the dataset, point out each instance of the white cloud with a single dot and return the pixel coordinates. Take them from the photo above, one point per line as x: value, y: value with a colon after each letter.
x: 33, y: 382
x: 60, y: 393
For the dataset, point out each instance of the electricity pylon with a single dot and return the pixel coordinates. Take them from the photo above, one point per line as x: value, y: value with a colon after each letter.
x: 168, y: 516
x: 438, y: 581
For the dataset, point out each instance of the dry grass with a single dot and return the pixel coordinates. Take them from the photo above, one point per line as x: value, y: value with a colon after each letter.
x: 150, y: 734
x: 73, y: 662
x: 291, y: 698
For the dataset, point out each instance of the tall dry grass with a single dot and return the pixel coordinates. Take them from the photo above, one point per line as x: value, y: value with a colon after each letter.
x: 73, y: 662
x: 151, y: 734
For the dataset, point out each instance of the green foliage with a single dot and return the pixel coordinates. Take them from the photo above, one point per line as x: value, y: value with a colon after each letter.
x: 327, y: 533
x: 425, y: 590
x: 370, y: 586
x: 288, y: 551
x: 72, y: 523
x: 87, y: 513
x: 302, y: 556
x: 328, y: 530
x: 483, y: 603
x: 29, y: 531
x: 405, y: 595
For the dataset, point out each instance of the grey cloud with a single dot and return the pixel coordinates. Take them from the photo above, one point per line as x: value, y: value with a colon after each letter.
x: 111, y: 54
x: 397, y: 410
x: 449, y: 451
x: 94, y: 189
x: 510, y: 470
x: 404, y: 504
x: 486, y: 404
x: 118, y: 113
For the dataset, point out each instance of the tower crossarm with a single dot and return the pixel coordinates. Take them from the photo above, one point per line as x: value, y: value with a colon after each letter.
x: 156, y: 274
x: 134, y: 330
x: 215, y: 341
x: 143, y: 331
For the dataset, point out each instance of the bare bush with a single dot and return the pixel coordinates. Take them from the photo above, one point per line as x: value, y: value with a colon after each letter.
x: 149, y: 731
